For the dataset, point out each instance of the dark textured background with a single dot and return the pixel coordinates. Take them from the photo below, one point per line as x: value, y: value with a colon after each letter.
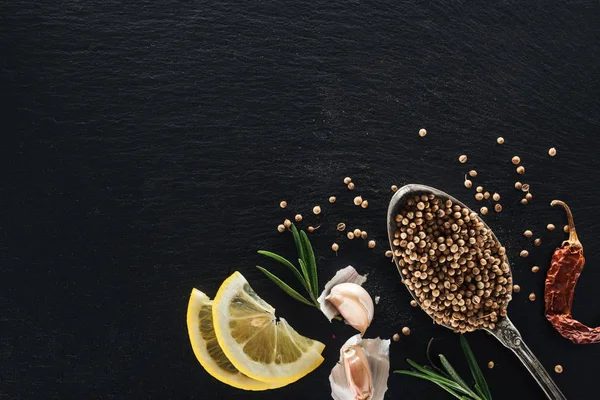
x: 146, y: 146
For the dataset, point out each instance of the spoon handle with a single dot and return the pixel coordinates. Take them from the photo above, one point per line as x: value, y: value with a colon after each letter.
x: 510, y: 337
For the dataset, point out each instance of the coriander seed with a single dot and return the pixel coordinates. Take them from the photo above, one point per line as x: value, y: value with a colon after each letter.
x: 525, y: 187
x: 566, y: 229
x: 335, y: 247
x: 550, y: 227
x: 496, y: 197
x: 351, y: 186
x: 422, y: 132
x: 341, y: 227
x: 371, y: 244
x: 491, y: 365
x: 558, y: 369
x: 406, y: 331
x: 529, y: 196
x: 472, y: 173
x: 357, y: 233
x: 486, y: 195
x: 500, y: 140
x: 524, y: 253
x: 518, y: 185
x: 528, y: 233
x: 363, y: 234
x: 479, y: 189
x: 347, y: 180
x: 394, y: 188
x: 535, y: 269
x: 516, y: 288
x: 298, y: 217
x: 537, y: 242
x: 478, y: 196
x: 468, y: 183
x: 396, y: 337
x: 413, y: 303
x: 498, y: 207
x: 350, y: 235
x: 462, y: 159
x: 552, y: 152
x: 280, y: 228
x: 531, y: 296
x: 520, y: 170
x: 310, y: 229
x: 483, y: 210
x: 332, y: 199
x: 524, y: 201
x: 316, y: 210
x: 283, y: 204
x: 287, y: 223
x: 516, y: 160
x: 357, y: 200
x: 388, y: 253
x: 364, y: 204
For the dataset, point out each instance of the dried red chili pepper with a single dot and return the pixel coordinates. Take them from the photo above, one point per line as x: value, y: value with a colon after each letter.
x: 565, y: 268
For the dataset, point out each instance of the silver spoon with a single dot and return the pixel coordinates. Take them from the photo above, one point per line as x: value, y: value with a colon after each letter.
x: 504, y: 331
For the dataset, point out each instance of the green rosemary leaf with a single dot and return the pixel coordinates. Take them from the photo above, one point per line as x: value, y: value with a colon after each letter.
x: 285, y: 262
x: 291, y: 292
x: 434, y: 380
x: 305, y: 272
x: 299, y: 247
x: 475, y: 370
x: 452, y: 372
x: 311, y: 263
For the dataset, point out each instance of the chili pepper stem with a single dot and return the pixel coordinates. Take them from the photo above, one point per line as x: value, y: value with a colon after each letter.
x: 573, y: 239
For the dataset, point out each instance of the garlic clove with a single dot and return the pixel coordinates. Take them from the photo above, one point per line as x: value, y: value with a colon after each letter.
x: 344, y: 275
x: 354, y: 303
x: 377, y: 352
x: 358, y: 372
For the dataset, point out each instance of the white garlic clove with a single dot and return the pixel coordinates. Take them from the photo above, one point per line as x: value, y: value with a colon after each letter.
x: 354, y: 303
x: 358, y: 372
x: 377, y: 352
x: 344, y: 275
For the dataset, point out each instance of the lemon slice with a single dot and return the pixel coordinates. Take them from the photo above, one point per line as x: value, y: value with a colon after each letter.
x: 256, y: 344
x: 206, y: 347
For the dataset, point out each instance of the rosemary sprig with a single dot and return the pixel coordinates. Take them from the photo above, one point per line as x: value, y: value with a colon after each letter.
x: 449, y: 380
x: 306, y: 274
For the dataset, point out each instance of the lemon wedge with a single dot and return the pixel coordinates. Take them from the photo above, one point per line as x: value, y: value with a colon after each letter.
x: 258, y: 345
x: 206, y: 347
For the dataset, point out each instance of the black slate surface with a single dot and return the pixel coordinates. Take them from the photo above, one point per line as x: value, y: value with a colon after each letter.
x: 147, y: 146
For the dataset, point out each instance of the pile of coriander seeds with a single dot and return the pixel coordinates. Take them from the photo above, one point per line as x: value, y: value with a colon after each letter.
x: 451, y: 263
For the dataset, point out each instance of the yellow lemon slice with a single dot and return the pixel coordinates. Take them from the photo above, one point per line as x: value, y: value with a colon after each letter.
x: 206, y: 347
x: 258, y: 345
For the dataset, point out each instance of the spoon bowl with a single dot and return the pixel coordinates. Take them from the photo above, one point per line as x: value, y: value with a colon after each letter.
x: 504, y: 330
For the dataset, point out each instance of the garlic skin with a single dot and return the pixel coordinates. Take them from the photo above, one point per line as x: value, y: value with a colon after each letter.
x: 354, y: 303
x: 358, y: 372
x: 344, y: 275
x: 377, y: 353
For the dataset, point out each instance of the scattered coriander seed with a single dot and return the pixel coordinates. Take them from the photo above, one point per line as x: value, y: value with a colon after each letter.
x: 524, y: 253
x: 518, y: 185
x: 524, y: 201
x: 537, y: 242
x: 388, y: 253
x: 283, y: 204
x: 357, y: 200
x: 468, y: 183
x: 531, y: 296
x: 462, y: 159
x: 516, y: 288
x: 483, y: 210
x: 498, y: 207
x: 347, y: 180
x: 394, y: 188
x: 371, y: 244
x: 479, y: 196
x: 357, y: 233
x: 316, y: 210
x: 528, y: 233
x: 472, y: 173
x: 413, y: 303
x: 552, y: 152
x: 491, y: 365
x: 280, y: 228
x: 525, y: 187
x: 341, y: 226
x: 496, y: 197
x: 287, y: 223
x: 298, y: 217
x: 486, y: 195
x: 406, y: 331
x: 396, y: 337
x: 566, y: 229
x: 350, y: 235
x: 529, y: 196
x: 332, y: 199
x: 500, y: 140
x: 310, y: 229
x: 422, y: 132
x: 364, y: 204
x: 520, y: 170
x: 335, y: 247
x: 516, y: 160
x: 550, y: 227
x: 535, y: 269
x: 479, y: 189
x: 351, y: 186
x: 363, y: 234
x: 558, y: 369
